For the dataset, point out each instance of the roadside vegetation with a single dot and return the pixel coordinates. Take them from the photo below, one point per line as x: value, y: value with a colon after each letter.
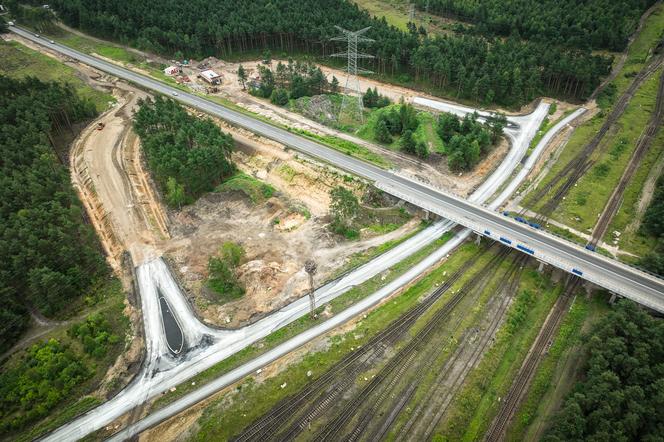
x: 400, y: 126
x: 653, y: 227
x: 634, y: 238
x: 54, y: 379
x: 620, y: 394
x: 19, y: 61
x: 188, y: 156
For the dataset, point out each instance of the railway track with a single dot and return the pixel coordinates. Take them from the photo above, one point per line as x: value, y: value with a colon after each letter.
x: 642, y: 146
x: 521, y: 383
x: 578, y: 166
x: 436, y: 402
x: 376, y: 391
x: 321, y: 393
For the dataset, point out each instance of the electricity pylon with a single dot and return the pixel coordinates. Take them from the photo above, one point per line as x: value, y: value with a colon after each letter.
x: 351, y: 106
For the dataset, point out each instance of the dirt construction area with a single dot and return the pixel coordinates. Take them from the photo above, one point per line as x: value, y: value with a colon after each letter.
x: 278, y: 234
x: 109, y: 174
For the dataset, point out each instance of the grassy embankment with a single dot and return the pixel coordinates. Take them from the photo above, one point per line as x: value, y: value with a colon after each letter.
x: 589, y: 197
x: 19, y: 61
x: 631, y: 239
x: 257, y: 191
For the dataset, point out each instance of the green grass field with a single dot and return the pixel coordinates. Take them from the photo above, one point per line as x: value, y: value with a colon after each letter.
x: 89, y: 46
x: 19, y: 61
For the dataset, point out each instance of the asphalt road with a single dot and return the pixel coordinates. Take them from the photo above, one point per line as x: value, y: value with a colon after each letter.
x: 610, y: 274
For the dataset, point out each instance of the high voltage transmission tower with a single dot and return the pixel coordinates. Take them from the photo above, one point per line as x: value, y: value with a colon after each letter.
x: 351, y: 106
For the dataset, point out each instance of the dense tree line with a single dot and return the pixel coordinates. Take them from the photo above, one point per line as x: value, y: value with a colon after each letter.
x: 621, y: 396
x: 491, y: 70
x: 187, y: 156
x: 653, y: 225
x: 49, y: 255
x: 466, y: 139
x: 596, y: 24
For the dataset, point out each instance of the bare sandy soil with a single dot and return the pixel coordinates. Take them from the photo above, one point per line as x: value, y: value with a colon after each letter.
x: 273, y: 273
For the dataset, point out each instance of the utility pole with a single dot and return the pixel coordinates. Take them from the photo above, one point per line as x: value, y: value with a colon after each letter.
x: 352, y: 106
x: 310, y: 267
x: 411, y: 12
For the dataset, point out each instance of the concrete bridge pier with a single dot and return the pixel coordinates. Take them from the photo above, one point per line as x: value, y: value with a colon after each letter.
x: 541, y: 267
x: 478, y: 239
x: 614, y: 296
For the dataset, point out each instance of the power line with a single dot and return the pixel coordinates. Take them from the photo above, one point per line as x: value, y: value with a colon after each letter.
x: 351, y: 105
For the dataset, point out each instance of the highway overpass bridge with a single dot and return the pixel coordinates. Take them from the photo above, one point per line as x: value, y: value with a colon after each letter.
x: 617, y: 277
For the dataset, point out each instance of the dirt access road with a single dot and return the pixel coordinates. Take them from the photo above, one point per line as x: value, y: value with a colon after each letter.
x: 106, y: 169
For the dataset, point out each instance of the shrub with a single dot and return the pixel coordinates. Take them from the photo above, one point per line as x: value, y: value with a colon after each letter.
x: 48, y: 373
x: 223, y: 272
x: 95, y: 334
x: 279, y: 96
